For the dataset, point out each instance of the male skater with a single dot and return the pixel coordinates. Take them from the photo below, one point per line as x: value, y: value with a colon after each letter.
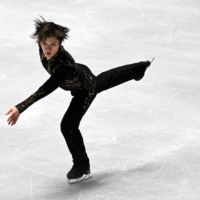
x: 80, y: 81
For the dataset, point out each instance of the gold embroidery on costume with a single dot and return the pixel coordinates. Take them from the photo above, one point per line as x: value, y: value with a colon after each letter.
x: 49, y: 69
x: 28, y: 102
x: 77, y: 79
x: 73, y: 83
x: 70, y: 64
x: 91, y: 94
x: 42, y: 57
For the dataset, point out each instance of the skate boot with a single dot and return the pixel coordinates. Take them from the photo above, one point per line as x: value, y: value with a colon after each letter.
x: 142, y: 70
x: 79, y: 173
x: 148, y: 63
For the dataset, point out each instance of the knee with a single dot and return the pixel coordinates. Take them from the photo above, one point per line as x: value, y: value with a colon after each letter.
x: 68, y: 126
x: 65, y: 127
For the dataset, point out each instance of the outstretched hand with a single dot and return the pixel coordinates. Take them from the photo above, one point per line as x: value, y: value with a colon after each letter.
x: 14, y: 116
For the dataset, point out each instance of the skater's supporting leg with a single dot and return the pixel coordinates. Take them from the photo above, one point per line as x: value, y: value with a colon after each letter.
x: 119, y: 75
x: 70, y: 126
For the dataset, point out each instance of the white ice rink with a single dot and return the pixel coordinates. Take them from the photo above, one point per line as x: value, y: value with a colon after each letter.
x: 142, y: 138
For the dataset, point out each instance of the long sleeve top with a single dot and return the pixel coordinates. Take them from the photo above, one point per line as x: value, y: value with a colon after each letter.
x: 64, y: 73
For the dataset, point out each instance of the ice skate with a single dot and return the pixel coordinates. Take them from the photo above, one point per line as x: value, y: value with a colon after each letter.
x: 85, y: 177
x: 149, y: 63
x: 79, y: 174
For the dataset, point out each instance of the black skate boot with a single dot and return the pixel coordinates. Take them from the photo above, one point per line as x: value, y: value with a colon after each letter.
x: 142, y: 70
x: 79, y: 173
x: 148, y: 63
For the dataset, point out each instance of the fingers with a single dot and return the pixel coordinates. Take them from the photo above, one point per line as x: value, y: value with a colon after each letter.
x: 12, y: 119
x: 13, y: 122
x: 9, y: 112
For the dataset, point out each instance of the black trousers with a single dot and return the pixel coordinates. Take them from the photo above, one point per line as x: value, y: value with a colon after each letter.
x: 83, y: 99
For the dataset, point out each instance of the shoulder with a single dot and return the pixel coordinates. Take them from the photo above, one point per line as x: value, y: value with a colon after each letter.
x: 66, y: 58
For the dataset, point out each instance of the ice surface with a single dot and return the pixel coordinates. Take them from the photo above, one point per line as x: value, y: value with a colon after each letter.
x: 143, y: 138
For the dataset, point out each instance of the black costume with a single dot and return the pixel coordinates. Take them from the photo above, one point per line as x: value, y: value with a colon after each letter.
x: 84, y: 87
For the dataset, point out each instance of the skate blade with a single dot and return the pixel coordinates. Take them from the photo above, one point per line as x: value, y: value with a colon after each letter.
x: 78, y: 180
x: 152, y: 60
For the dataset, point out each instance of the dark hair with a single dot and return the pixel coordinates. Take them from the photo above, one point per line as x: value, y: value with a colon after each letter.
x: 44, y: 29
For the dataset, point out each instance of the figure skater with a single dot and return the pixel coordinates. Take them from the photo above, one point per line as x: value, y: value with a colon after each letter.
x: 80, y: 81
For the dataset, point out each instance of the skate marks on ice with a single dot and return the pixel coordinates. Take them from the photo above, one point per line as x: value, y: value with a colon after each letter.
x: 92, y: 15
x: 175, y: 143
x: 185, y: 22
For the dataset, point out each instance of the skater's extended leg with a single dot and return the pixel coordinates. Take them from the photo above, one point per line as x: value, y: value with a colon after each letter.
x: 119, y: 75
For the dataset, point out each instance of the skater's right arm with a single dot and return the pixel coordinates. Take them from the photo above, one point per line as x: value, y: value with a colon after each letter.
x: 60, y: 75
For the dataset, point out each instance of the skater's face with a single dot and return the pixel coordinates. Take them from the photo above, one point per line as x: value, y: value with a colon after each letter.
x: 50, y: 46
